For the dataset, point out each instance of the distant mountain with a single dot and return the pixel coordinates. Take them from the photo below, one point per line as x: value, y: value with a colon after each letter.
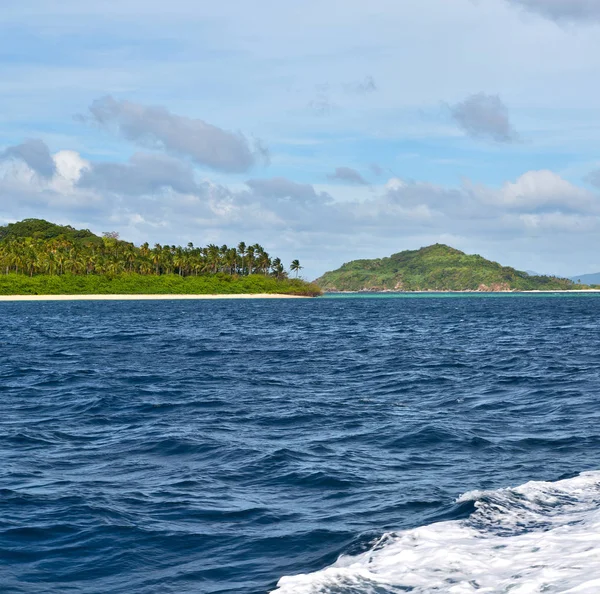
x: 587, y: 279
x: 435, y: 268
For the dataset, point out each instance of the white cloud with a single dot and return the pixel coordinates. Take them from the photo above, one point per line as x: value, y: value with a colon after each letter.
x: 156, y: 127
x: 157, y: 198
x: 535, y: 190
x: 69, y: 167
x: 542, y: 188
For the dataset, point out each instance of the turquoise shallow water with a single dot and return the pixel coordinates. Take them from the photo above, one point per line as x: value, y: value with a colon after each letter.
x: 219, y: 446
x: 458, y: 295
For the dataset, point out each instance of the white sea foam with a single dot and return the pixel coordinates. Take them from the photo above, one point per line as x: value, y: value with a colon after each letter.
x: 539, y: 537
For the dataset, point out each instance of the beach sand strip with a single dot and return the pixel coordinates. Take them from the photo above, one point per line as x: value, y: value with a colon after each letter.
x: 130, y: 297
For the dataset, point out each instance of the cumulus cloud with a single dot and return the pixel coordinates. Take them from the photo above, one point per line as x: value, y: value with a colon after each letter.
x: 563, y: 10
x: 24, y: 193
x: 151, y: 194
x: 537, y: 199
x: 143, y: 174
x: 545, y: 188
x: 35, y: 154
x: 156, y: 127
x: 484, y: 116
x: 536, y: 191
x: 347, y: 174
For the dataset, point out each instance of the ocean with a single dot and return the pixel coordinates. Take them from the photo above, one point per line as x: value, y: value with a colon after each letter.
x: 358, y: 444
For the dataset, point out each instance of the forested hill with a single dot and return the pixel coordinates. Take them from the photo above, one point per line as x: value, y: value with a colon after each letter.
x: 40, y: 229
x: 80, y: 261
x: 437, y: 267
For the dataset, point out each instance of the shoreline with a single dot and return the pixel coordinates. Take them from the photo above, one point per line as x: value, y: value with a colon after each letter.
x: 149, y: 297
x: 461, y: 292
x: 563, y: 291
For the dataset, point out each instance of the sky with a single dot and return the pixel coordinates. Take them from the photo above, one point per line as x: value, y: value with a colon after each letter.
x: 325, y: 130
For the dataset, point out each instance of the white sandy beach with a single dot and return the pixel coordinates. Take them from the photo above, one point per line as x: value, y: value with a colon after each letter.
x: 145, y: 297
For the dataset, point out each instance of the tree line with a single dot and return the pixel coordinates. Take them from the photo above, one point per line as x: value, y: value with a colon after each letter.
x: 109, y: 255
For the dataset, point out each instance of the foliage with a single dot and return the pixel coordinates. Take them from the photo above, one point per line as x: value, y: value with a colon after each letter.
x: 44, y: 230
x: 38, y: 257
x: 435, y: 268
x: 138, y: 284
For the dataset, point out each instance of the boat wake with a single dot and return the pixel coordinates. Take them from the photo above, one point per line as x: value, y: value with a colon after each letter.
x: 538, y: 537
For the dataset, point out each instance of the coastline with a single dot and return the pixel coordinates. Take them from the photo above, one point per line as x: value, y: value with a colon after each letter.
x: 563, y: 291
x: 469, y: 292
x: 144, y: 297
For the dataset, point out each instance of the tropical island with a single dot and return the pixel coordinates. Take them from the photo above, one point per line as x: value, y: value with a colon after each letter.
x: 437, y: 268
x: 38, y: 257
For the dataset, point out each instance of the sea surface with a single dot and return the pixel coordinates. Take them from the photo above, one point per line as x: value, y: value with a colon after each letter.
x: 359, y: 444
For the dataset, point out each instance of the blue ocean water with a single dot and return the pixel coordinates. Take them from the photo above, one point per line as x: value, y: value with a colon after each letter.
x: 349, y: 445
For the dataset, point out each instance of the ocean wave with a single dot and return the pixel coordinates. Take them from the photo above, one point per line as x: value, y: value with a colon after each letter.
x: 538, y: 537
x: 150, y: 464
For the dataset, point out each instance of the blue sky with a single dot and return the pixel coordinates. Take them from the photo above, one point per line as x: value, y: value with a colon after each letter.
x: 325, y: 130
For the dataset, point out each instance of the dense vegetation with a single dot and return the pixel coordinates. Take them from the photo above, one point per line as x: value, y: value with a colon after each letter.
x: 435, y: 268
x: 166, y: 284
x: 39, y: 257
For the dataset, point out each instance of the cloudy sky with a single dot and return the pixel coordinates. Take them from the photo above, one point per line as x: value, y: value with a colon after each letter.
x: 326, y: 130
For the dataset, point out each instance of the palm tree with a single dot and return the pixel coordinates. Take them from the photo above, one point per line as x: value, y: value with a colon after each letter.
x: 230, y: 260
x: 64, y: 254
x: 295, y: 267
x: 250, y: 253
x: 223, y: 251
x: 264, y: 261
x: 167, y: 258
x: 157, y: 257
x: 179, y: 260
x: 241, y: 248
x: 213, y: 256
x: 278, y: 269
x: 130, y: 254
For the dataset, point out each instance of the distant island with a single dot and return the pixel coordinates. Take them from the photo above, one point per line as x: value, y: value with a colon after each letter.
x: 436, y: 268
x: 587, y: 279
x: 38, y: 257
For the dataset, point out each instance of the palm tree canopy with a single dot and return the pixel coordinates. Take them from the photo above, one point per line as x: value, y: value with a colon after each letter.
x: 69, y: 251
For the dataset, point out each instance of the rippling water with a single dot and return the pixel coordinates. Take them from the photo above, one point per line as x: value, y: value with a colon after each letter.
x: 350, y: 445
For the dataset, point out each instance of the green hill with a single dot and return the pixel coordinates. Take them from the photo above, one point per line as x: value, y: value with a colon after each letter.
x: 44, y: 230
x: 435, y: 268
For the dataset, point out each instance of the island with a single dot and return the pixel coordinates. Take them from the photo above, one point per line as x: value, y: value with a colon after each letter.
x: 41, y: 258
x: 436, y: 268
